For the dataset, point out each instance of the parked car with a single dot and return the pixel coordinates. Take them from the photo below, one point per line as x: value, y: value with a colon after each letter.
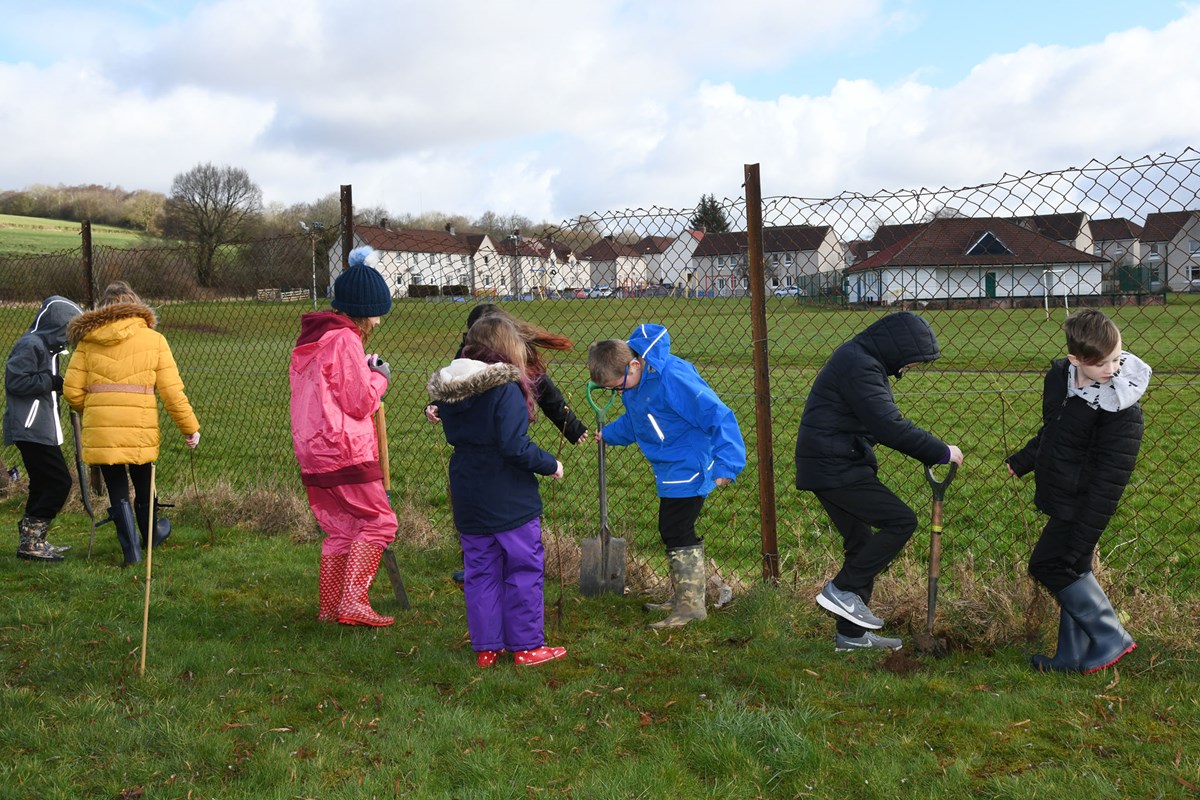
x: 603, y: 290
x: 787, y: 291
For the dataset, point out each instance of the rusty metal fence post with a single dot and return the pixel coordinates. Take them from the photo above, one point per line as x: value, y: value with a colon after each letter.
x: 762, y: 376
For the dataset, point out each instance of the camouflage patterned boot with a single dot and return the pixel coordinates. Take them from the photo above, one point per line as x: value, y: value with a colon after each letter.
x: 31, y: 544
x: 688, y: 573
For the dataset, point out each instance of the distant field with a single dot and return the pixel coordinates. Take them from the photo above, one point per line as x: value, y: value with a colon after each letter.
x: 34, y: 235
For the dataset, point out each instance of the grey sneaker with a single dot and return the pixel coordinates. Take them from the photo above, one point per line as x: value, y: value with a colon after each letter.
x: 849, y: 606
x: 868, y: 641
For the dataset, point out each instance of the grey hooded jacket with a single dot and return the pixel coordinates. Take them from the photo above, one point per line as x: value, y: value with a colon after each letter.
x: 31, y: 382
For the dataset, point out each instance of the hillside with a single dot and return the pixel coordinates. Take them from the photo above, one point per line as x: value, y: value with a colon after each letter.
x: 35, y: 235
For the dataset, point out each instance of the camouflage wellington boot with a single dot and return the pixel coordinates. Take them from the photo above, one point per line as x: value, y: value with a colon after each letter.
x: 688, y: 572
x: 31, y: 544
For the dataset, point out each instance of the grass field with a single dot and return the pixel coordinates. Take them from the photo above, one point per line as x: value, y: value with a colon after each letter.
x: 34, y: 235
x: 247, y: 696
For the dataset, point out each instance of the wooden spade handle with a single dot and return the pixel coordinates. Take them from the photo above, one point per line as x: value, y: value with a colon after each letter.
x: 381, y: 435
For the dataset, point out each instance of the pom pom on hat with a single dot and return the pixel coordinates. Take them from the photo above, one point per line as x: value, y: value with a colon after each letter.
x: 360, y: 291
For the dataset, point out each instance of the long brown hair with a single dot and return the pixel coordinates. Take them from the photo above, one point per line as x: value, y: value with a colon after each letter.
x: 536, y: 339
x: 496, y: 338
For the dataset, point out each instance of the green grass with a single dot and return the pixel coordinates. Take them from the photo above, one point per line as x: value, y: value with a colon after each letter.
x: 36, y: 236
x: 246, y: 695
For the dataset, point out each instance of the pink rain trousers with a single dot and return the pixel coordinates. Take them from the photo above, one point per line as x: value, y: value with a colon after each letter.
x: 355, y: 512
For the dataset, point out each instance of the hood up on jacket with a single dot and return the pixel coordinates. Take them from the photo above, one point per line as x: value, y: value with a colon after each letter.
x: 652, y: 343
x: 900, y: 339
x: 90, y: 322
x: 52, y: 320
x: 465, y: 378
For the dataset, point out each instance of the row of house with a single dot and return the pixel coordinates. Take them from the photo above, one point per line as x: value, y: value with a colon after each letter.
x: 943, y: 258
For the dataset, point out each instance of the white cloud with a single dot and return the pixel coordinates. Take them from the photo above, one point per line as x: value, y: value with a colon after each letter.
x: 557, y: 109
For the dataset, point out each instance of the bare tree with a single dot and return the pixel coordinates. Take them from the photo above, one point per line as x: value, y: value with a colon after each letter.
x: 211, y: 206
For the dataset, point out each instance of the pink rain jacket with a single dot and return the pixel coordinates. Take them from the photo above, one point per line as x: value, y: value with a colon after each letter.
x: 334, y: 395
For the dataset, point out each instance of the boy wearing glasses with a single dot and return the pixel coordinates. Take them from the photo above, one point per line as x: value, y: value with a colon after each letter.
x: 690, y: 438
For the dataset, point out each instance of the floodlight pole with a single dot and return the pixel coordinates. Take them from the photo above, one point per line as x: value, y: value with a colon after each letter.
x: 313, y: 229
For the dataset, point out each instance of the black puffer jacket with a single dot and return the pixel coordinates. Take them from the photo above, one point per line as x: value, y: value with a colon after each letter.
x: 1082, y: 457
x: 851, y: 407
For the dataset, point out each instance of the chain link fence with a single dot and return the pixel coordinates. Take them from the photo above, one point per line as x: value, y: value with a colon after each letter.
x: 994, y: 268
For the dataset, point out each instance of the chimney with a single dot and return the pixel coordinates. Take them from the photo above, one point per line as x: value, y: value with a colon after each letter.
x: 383, y: 222
x: 449, y: 229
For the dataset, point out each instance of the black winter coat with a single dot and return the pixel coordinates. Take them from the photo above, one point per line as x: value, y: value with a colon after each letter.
x: 1081, y: 457
x: 851, y: 407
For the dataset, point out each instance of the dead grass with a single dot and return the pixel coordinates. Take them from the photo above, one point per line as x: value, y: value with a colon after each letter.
x: 979, y: 608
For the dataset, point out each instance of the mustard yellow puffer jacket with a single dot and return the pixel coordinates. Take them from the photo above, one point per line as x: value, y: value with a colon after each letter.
x: 118, y: 364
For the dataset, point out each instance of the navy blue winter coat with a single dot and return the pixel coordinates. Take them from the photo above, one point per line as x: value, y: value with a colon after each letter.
x: 493, y: 483
x: 851, y: 408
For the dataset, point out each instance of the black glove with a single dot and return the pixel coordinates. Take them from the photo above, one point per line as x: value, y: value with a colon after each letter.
x: 56, y: 383
x: 377, y: 364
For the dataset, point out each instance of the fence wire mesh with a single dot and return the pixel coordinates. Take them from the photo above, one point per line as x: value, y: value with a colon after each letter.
x: 994, y: 268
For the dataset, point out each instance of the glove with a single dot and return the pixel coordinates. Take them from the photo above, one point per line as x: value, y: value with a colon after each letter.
x: 377, y: 364
x: 56, y: 383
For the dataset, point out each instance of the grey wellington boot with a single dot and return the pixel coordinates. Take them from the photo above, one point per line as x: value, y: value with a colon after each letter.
x: 688, y: 572
x: 1072, y: 646
x: 127, y: 533
x: 31, y: 542
x: 1089, y: 606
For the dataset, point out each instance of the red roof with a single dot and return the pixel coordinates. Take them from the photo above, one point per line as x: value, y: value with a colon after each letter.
x: 782, y: 239
x: 1163, y: 226
x: 1114, y: 230
x: 974, y: 241
x: 412, y: 241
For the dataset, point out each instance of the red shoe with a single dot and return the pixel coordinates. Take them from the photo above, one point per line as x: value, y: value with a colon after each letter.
x: 485, y: 658
x: 528, y: 658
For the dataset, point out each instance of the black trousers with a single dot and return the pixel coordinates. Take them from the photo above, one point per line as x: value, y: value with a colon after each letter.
x: 49, y: 479
x: 875, y: 525
x: 1061, y: 555
x: 677, y: 521
x: 117, y: 478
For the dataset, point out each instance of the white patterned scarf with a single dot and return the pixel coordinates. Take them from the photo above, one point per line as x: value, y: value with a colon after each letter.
x: 1123, y: 390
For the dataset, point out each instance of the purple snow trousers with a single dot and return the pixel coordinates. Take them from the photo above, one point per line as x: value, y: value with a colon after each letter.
x: 504, y: 577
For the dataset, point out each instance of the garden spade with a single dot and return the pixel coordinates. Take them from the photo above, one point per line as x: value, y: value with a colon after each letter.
x: 389, y: 557
x: 935, y: 543
x: 602, y: 557
x: 81, y: 470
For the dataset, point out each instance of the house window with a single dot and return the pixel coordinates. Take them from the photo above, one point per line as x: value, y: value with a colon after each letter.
x: 1193, y: 246
x: 1194, y: 273
x: 1154, y: 255
x: 1098, y: 250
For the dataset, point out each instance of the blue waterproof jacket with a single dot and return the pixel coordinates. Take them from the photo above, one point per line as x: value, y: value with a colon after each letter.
x: 687, y: 434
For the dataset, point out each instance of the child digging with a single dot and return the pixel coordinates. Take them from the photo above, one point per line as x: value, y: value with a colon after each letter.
x: 849, y: 409
x: 690, y: 438
x: 336, y: 388
x: 1082, y: 458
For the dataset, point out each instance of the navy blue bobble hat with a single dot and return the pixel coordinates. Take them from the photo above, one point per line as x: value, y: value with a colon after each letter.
x: 360, y: 291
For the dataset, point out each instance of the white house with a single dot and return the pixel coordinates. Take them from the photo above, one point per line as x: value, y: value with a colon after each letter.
x: 961, y: 258
x: 809, y: 257
x: 1171, y: 241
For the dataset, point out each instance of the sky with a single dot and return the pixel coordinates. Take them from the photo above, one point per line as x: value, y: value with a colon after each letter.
x: 551, y: 110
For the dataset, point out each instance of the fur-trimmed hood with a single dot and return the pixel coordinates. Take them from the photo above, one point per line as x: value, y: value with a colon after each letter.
x: 466, y: 378
x: 89, y: 324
